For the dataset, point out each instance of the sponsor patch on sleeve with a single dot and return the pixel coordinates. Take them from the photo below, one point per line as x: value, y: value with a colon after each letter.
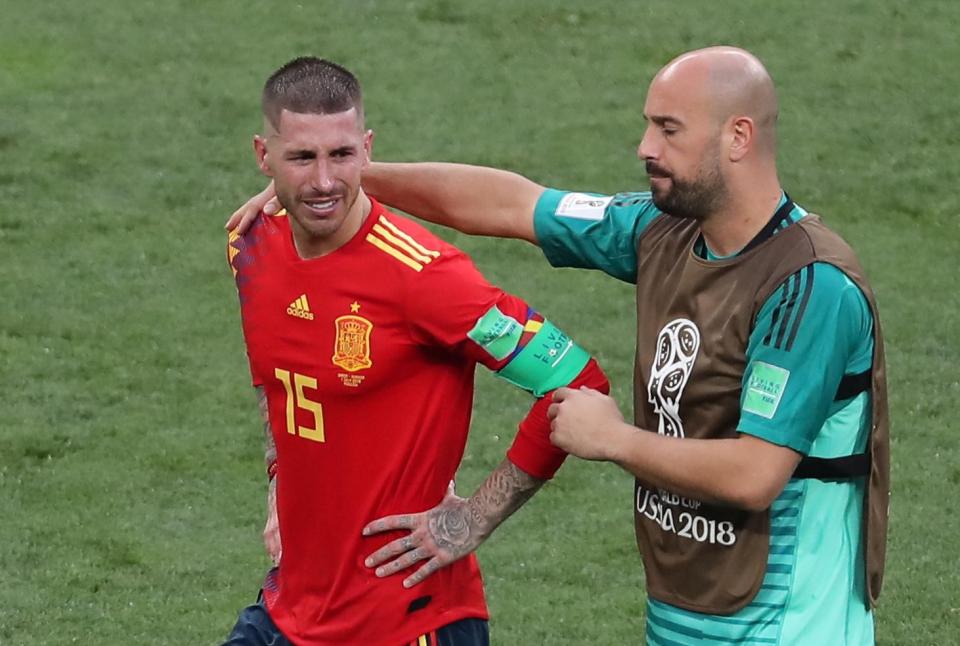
x: 583, y: 206
x: 765, y: 389
x: 496, y: 333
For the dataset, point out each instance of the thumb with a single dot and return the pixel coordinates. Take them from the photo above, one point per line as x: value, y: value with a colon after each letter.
x: 272, y: 207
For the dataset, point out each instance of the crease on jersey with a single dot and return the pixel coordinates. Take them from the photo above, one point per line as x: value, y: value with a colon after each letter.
x: 539, y: 356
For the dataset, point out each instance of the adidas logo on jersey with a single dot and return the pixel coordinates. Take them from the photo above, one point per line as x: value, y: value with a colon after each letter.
x: 300, y: 308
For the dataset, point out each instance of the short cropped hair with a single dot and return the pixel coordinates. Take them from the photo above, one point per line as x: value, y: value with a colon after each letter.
x: 310, y: 85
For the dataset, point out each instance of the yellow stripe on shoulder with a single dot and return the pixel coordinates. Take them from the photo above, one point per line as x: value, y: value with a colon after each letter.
x: 413, y: 243
x: 393, y: 251
x: 401, y: 245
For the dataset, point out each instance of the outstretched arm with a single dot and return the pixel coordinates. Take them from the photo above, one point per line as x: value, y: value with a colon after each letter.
x: 452, y: 529
x: 471, y: 199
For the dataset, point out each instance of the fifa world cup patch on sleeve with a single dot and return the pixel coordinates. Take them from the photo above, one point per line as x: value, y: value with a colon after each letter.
x: 496, y: 333
x: 765, y: 389
x: 583, y: 206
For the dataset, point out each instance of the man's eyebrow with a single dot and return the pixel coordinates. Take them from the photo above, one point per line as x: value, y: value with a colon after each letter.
x: 663, y: 119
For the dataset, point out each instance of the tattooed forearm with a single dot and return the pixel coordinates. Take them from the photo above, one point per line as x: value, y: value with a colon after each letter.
x: 270, y: 449
x: 502, y: 493
x: 461, y: 528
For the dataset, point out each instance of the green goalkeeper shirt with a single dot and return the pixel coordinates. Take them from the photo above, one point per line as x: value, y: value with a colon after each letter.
x: 813, y: 330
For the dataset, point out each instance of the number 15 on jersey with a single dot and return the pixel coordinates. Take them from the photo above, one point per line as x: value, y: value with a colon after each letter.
x: 293, y: 384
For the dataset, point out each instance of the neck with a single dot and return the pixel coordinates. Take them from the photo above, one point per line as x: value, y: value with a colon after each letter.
x: 741, y: 218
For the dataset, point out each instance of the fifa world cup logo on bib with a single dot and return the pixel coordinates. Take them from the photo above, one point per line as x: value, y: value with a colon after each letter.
x: 677, y: 346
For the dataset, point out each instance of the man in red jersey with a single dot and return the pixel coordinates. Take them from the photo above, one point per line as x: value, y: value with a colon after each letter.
x: 362, y: 332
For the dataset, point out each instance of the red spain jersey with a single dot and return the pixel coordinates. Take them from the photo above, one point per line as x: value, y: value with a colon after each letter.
x: 369, y: 376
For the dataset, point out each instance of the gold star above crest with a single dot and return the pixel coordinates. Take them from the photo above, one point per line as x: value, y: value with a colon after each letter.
x: 354, y: 307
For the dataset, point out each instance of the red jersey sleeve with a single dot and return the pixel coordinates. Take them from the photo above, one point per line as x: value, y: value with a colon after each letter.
x: 446, y: 301
x: 240, y: 256
x: 531, y: 449
x: 456, y: 308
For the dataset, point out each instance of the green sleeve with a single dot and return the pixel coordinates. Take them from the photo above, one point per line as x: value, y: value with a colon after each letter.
x: 815, y: 328
x: 593, y: 231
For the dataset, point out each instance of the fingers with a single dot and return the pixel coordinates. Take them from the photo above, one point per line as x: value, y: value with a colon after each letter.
x: 552, y: 411
x: 234, y: 219
x: 431, y: 566
x: 405, y: 561
x: 390, y: 550
x: 562, y: 393
x: 242, y: 218
x: 390, y: 523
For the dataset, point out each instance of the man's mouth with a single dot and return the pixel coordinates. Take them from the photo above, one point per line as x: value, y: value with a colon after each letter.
x: 321, y: 206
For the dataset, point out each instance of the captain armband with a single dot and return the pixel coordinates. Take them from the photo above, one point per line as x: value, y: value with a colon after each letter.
x: 540, y: 356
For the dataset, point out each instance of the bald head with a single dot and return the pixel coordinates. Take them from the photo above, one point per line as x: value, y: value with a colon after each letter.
x: 728, y: 82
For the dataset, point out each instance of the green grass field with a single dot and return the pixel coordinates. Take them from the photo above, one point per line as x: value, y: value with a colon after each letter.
x: 131, y: 488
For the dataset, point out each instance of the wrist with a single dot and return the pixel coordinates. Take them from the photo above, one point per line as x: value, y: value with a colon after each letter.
x: 616, y: 448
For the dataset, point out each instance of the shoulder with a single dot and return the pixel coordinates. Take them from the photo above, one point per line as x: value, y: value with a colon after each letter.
x: 835, y: 289
x: 827, y: 244
x: 592, y: 230
x: 621, y: 208
x: 262, y: 227
x: 824, y: 283
x: 411, y: 244
x: 815, y: 298
x: 256, y: 241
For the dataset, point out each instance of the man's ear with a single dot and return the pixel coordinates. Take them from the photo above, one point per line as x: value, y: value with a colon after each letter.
x: 741, y: 140
x: 260, y: 150
x: 368, y: 147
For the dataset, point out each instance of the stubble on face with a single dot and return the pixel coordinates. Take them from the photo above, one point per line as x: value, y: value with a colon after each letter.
x: 695, y: 198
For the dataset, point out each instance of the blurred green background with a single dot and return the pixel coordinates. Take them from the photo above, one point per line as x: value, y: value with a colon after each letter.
x: 131, y: 486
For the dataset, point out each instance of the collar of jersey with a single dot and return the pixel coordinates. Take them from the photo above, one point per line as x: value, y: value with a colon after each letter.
x: 784, y: 209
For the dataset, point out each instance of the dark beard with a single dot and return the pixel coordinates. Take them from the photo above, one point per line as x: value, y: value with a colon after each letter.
x: 695, y: 200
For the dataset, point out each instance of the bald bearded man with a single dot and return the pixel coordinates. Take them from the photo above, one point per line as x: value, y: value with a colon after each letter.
x: 761, y: 493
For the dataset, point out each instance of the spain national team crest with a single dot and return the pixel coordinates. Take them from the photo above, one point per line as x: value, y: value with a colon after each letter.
x: 352, y: 347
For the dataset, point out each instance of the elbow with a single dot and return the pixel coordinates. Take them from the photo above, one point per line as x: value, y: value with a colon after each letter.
x: 758, y: 477
x: 754, y: 495
x: 756, y: 503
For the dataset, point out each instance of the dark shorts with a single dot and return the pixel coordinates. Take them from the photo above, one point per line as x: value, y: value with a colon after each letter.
x: 255, y: 628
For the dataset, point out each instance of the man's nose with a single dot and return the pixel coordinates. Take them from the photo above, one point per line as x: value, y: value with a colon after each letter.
x: 648, y: 148
x: 323, y: 178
